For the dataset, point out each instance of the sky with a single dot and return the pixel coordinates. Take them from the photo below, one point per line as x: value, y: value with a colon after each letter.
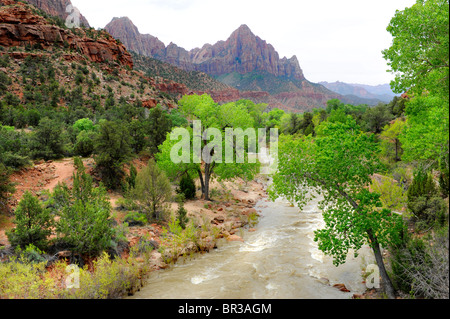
x: 334, y: 40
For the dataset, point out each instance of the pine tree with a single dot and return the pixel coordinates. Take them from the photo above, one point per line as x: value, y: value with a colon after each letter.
x: 33, y: 224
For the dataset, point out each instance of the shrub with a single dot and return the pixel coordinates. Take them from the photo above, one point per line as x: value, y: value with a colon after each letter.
x: 33, y: 224
x: 152, y: 190
x: 135, y: 219
x: 112, y: 149
x: 47, y: 142
x: 6, y: 187
x: 182, y: 213
x: 420, y: 267
x: 84, y: 214
x: 187, y: 187
x: 84, y: 145
x: 424, y: 201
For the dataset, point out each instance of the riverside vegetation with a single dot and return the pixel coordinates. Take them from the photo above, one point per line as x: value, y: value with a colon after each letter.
x: 383, y: 170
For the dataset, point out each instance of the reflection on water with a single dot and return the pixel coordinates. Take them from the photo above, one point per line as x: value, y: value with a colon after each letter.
x: 279, y: 260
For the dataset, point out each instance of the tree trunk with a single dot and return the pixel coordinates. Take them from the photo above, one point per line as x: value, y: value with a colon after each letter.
x: 386, y: 281
x: 200, y: 175
x: 207, y: 177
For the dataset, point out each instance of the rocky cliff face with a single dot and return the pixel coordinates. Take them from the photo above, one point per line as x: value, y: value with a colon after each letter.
x: 243, y: 52
x: 249, y: 66
x: 57, y: 8
x: 20, y: 26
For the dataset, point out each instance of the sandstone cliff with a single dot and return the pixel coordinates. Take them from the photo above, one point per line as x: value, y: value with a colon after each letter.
x: 57, y: 8
x: 243, y: 52
x: 20, y: 26
x: 249, y: 66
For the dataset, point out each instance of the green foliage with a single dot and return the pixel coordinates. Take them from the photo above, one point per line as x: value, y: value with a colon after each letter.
x: 420, y: 265
x: 425, y: 136
x: 135, y: 219
x: 84, y: 214
x: 47, y: 142
x: 6, y: 187
x: 424, y: 202
x: 392, y: 196
x: 33, y: 224
x: 13, y: 148
x: 109, y: 279
x: 159, y: 124
x: 337, y: 164
x: 131, y: 179
x: 112, y: 149
x: 84, y: 145
x: 419, y: 55
x: 187, y: 187
x: 182, y: 213
x: 83, y: 125
x: 376, y: 118
x: 152, y: 191
x: 390, y: 140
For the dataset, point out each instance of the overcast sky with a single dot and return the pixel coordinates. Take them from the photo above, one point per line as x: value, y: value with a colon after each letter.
x: 334, y: 40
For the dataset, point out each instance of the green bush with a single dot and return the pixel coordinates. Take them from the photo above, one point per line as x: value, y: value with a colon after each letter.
x: 84, y: 145
x: 424, y: 200
x: 84, y: 214
x: 33, y: 224
x: 135, y: 219
x: 112, y: 149
x: 187, y: 187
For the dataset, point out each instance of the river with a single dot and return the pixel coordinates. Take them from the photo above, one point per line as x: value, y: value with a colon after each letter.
x: 280, y: 260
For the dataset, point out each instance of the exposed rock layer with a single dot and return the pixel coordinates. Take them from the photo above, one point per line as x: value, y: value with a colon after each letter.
x: 20, y: 26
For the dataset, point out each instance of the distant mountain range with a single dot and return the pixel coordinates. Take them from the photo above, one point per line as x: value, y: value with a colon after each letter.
x: 379, y: 92
x: 243, y: 66
x: 243, y: 62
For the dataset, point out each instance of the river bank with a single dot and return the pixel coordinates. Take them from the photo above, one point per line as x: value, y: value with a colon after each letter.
x: 231, y: 210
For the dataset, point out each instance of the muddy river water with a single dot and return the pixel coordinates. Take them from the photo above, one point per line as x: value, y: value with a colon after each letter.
x: 279, y: 260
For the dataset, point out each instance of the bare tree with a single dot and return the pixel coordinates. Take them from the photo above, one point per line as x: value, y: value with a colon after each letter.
x: 427, y: 270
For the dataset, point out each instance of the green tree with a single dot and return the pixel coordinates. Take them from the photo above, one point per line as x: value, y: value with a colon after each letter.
x: 84, y: 145
x: 187, y: 187
x: 6, y: 187
x: 84, y: 214
x: 376, y: 118
x: 419, y: 53
x: 47, y: 141
x: 390, y: 140
x: 112, y: 150
x: 425, y: 137
x: 424, y: 201
x: 212, y: 161
x: 33, y: 224
x: 152, y: 190
x: 338, y: 165
x: 159, y: 124
x: 182, y: 212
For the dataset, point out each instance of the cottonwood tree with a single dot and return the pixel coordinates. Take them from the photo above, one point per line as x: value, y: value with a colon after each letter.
x: 338, y: 164
x: 211, y: 162
x: 419, y: 54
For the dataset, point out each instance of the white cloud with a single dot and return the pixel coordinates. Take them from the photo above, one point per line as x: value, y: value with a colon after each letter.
x: 333, y: 40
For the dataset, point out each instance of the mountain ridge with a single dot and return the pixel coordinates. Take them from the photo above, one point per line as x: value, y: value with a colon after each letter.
x: 244, y: 61
x: 381, y: 92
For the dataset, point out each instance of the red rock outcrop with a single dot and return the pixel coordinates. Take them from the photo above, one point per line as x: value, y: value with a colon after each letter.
x: 243, y: 52
x: 19, y: 26
x: 59, y: 8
